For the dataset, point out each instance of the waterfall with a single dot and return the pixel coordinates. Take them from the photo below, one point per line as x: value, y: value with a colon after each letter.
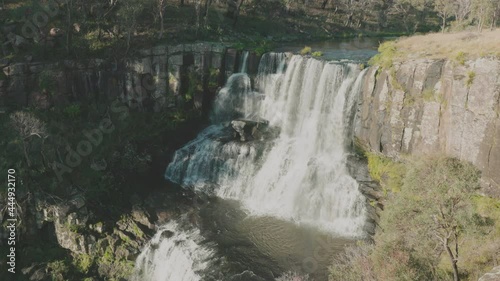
x: 244, y: 62
x: 173, y: 254
x: 298, y: 171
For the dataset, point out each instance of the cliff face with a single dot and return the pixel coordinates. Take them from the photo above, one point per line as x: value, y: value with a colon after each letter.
x: 435, y: 106
x: 157, y: 78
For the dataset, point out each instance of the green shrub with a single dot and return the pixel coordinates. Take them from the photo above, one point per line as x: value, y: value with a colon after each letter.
x: 388, y: 173
x: 83, y: 263
x: 47, y: 81
x: 429, y: 95
x: 353, y: 264
x: 263, y: 47
x: 58, y: 269
x: 460, y: 58
x: 317, y: 54
x: 471, y: 75
x: 386, y: 55
x: 305, y: 51
x: 72, y: 111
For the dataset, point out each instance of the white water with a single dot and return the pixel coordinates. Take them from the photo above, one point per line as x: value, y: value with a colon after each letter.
x: 176, y: 258
x: 244, y: 62
x: 301, y: 175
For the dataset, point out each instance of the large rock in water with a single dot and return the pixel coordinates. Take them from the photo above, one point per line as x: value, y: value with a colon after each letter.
x: 248, y: 129
x: 435, y: 107
x: 493, y: 275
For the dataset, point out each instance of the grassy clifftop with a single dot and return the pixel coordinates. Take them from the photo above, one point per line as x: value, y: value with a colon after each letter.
x: 459, y: 47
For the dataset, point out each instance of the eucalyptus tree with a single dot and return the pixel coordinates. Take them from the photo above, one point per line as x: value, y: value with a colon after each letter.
x: 445, y: 9
x: 484, y: 12
x: 435, y: 208
x: 128, y: 14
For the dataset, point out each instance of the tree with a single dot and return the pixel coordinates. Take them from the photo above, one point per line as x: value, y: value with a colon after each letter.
x: 161, y: 5
x: 484, y: 12
x: 412, y: 12
x: 27, y: 126
x: 463, y: 10
x: 436, y: 207
x: 128, y: 14
x: 233, y: 9
x: 444, y: 9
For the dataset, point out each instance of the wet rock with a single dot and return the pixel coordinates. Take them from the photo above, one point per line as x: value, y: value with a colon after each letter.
x: 36, y: 272
x: 140, y: 216
x: 248, y: 129
x: 167, y: 234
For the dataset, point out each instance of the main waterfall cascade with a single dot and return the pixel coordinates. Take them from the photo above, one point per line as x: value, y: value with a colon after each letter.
x: 291, y: 167
x: 300, y: 175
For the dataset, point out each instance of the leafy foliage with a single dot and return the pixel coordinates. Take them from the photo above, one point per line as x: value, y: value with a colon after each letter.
x: 306, y: 51
x: 434, y: 226
x: 385, y: 57
x: 390, y: 174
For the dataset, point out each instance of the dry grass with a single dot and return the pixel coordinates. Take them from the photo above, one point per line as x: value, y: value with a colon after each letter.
x: 458, y: 46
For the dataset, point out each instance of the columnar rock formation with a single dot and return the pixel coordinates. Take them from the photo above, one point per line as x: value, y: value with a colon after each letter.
x: 155, y: 79
x: 435, y: 106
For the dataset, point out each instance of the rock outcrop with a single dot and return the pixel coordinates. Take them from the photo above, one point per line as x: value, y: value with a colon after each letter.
x: 157, y: 78
x: 493, y: 275
x: 435, y: 106
x: 248, y: 129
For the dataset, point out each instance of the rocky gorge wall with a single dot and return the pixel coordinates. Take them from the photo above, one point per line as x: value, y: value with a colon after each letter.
x: 435, y: 106
x: 156, y: 78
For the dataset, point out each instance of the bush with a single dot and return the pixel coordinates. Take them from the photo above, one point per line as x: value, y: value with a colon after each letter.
x: 471, y: 75
x: 353, y: 265
x: 386, y: 55
x: 72, y: 111
x: 460, y: 58
x: 83, y: 263
x: 58, y: 270
x: 434, y: 203
x: 305, y: 51
x: 388, y: 173
x: 317, y: 54
x: 47, y: 82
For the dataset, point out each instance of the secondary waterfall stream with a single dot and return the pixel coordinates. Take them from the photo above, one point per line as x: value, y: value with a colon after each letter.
x: 277, y: 146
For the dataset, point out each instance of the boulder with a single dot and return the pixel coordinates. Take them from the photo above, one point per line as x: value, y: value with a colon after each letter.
x: 493, y: 275
x: 247, y: 129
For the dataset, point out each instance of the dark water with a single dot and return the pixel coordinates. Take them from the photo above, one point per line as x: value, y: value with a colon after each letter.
x: 266, y: 246
x: 355, y: 49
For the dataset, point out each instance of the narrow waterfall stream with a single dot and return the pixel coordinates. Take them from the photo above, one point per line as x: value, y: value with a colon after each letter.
x: 274, y: 163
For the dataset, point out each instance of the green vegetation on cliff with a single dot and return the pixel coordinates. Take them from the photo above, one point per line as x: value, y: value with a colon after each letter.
x: 103, y: 153
x: 435, y: 227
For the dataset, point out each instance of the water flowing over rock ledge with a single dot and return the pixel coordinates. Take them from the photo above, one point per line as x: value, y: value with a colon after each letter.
x: 435, y: 106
